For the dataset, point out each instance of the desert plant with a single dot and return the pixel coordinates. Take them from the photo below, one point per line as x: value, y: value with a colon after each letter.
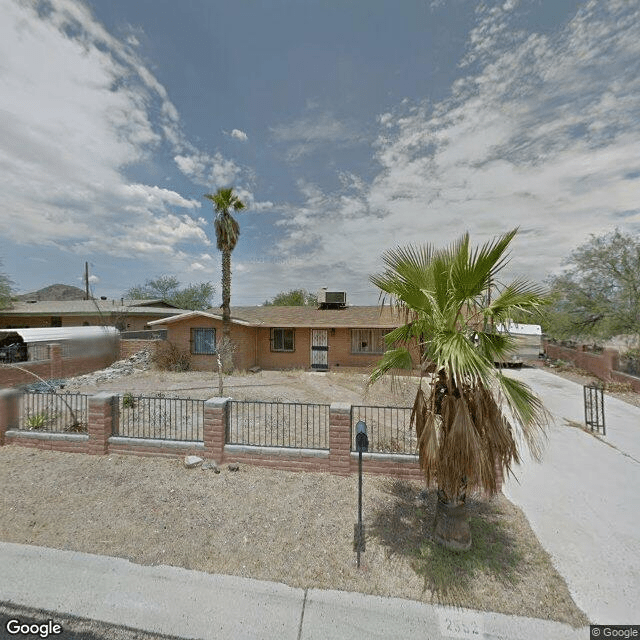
x: 128, y: 400
x: 169, y: 357
x: 465, y: 435
x: 227, y: 234
x: 37, y: 421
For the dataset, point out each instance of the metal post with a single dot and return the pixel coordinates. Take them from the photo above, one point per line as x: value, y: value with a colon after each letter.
x: 362, y: 444
x: 360, y: 532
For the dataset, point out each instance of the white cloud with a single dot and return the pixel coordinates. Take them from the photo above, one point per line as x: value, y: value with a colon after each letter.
x: 210, y: 171
x: 239, y: 135
x: 78, y: 108
x: 306, y: 134
x: 544, y: 136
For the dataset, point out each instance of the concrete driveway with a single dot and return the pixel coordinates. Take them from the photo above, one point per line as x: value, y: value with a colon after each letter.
x: 583, y: 499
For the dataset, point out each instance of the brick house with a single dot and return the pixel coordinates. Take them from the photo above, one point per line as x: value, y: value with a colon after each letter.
x: 126, y: 315
x: 275, y: 337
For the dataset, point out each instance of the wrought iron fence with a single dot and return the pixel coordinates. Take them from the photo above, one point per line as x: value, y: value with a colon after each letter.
x: 278, y: 424
x: 594, y: 408
x: 388, y: 429
x: 54, y: 412
x: 159, y: 417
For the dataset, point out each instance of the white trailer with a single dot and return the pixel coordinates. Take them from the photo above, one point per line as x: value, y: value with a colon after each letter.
x: 528, y: 338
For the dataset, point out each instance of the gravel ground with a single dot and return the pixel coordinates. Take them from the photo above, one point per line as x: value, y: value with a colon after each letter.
x: 271, y: 386
x: 295, y: 528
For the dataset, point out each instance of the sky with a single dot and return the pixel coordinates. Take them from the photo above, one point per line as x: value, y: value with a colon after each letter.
x: 346, y: 127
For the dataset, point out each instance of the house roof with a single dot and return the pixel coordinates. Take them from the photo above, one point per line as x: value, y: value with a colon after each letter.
x: 292, y: 317
x: 90, y: 307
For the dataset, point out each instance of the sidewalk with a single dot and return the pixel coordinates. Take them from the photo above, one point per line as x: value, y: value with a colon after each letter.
x: 192, y: 604
x: 583, y: 501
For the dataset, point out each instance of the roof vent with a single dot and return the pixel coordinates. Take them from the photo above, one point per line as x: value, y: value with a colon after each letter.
x: 331, y: 299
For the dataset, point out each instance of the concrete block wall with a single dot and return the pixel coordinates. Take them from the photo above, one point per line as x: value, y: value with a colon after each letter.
x: 129, y: 348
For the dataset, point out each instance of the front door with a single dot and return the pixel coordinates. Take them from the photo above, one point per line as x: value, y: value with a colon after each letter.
x: 319, y: 349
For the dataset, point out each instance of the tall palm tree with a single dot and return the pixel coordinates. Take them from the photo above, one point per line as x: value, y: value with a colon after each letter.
x: 227, y: 234
x: 471, y: 418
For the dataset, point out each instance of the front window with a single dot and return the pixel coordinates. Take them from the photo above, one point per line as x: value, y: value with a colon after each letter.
x: 282, y: 340
x: 203, y: 341
x: 368, y: 340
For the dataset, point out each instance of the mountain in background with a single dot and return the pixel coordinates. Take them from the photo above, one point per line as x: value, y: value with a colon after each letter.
x: 57, y: 292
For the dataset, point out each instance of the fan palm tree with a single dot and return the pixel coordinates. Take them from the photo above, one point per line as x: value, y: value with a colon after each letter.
x: 227, y: 234
x: 471, y: 418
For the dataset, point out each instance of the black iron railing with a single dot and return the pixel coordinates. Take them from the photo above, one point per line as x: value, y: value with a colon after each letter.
x: 54, y: 412
x: 278, y: 424
x: 594, y: 408
x: 159, y: 417
x: 388, y: 429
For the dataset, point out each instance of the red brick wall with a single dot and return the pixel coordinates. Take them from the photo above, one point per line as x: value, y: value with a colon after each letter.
x: 600, y: 365
x: 179, y: 333
x: 103, y: 415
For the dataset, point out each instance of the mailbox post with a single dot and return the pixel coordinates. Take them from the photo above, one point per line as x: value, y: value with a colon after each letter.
x: 362, y: 445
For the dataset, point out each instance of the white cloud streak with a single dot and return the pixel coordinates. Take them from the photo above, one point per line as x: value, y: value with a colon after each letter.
x: 544, y: 136
x: 75, y: 115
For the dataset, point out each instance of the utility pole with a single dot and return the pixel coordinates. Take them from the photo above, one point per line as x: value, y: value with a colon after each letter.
x: 86, y: 280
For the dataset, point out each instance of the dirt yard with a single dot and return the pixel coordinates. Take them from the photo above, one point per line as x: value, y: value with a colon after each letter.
x: 295, y: 528
x: 271, y: 386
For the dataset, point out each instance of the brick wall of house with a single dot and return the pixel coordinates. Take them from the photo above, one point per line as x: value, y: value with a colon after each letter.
x: 254, y: 347
x: 179, y: 333
x: 339, y: 354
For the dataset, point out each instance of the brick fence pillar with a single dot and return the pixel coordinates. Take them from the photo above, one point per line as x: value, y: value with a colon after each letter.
x: 340, y: 438
x: 611, y: 359
x: 55, y: 356
x: 103, y: 421
x: 215, y: 427
x: 8, y: 411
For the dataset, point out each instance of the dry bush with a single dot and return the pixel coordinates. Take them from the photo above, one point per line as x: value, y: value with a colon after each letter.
x: 618, y: 387
x: 169, y: 357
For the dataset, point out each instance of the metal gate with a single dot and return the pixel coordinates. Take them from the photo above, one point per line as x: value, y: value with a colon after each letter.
x: 319, y: 349
x: 594, y: 408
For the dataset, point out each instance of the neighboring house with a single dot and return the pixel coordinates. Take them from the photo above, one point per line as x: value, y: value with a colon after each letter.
x: 275, y: 337
x: 125, y: 315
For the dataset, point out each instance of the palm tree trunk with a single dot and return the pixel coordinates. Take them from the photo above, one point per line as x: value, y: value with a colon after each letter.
x: 451, y: 525
x: 226, y: 306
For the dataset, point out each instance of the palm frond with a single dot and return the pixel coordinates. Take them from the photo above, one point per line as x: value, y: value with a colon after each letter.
x: 399, y: 358
x: 530, y: 414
